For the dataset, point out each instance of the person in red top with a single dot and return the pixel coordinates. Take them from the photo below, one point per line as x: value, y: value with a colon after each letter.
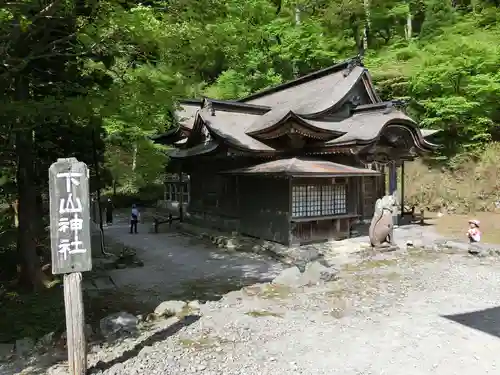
x: 474, y: 234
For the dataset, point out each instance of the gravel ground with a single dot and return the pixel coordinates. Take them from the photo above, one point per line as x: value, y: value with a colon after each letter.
x: 414, y: 311
x: 386, y: 315
x: 181, y: 266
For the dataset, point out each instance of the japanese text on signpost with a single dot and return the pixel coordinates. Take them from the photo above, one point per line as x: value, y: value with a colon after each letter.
x: 69, y: 216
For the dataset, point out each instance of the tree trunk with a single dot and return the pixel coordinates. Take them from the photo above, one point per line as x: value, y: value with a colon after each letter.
x: 296, y: 72
x: 358, y: 40
x: 31, y: 275
x: 134, y: 157
x: 408, y: 28
x: 366, y: 35
x: 15, y: 209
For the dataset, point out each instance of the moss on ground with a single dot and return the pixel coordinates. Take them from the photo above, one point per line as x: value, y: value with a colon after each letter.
x: 264, y: 313
x: 268, y: 291
x: 369, y: 264
x: 197, y: 343
x: 210, y: 289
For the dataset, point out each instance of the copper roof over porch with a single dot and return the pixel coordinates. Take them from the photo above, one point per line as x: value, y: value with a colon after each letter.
x: 302, y: 167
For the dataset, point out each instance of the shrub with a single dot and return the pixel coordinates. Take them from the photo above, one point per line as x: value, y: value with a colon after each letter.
x: 472, y: 186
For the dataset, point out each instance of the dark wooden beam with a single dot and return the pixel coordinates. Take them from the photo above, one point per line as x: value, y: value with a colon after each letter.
x: 181, y: 198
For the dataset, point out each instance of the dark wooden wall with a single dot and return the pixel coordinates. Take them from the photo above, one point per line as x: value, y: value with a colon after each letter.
x: 259, y: 206
x: 251, y: 205
x: 264, y: 204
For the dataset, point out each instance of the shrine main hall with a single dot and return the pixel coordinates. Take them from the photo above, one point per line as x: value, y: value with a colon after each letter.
x: 297, y: 163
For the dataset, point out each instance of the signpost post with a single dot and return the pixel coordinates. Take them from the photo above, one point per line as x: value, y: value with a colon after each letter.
x: 71, y: 252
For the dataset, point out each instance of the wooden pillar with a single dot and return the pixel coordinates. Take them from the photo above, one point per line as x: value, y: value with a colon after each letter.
x: 383, y: 189
x: 393, y: 186
x: 361, y: 194
x: 402, y: 188
x: 181, y: 197
x: 290, y: 212
x: 393, y: 178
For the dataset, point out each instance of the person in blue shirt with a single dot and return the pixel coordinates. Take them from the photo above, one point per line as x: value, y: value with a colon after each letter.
x: 134, y: 219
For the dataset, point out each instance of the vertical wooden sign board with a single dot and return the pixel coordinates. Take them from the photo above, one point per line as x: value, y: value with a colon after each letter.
x: 70, y: 247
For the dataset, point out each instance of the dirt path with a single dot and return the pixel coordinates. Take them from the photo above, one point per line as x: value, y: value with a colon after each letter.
x: 178, y: 266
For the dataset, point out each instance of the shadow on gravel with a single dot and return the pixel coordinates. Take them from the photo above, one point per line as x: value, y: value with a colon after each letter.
x: 158, y: 336
x: 487, y: 321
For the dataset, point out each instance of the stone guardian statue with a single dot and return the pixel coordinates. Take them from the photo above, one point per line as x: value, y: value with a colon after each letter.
x: 382, y: 225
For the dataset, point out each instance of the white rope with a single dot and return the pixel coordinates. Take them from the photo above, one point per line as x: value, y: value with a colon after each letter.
x: 376, y: 165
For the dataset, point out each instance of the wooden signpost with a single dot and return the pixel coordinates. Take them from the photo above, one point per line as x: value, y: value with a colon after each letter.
x: 71, y: 252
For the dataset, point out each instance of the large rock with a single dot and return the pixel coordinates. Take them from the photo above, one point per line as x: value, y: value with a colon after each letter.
x: 170, y: 308
x: 118, y: 323
x: 194, y: 305
x: 463, y: 246
x: 6, y: 350
x: 45, y: 342
x: 291, y: 277
x: 316, y: 272
x: 24, y: 346
x: 305, y: 254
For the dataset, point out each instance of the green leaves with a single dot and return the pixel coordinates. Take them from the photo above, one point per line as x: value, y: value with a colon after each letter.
x: 453, y: 81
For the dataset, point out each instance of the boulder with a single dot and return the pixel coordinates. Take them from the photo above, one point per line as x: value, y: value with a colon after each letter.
x: 194, y: 305
x: 6, y: 350
x: 457, y: 245
x: 291, y: 277
x: 170, y: 308
x: 45, y: 342
x: 483, y: 251
x: 118, y: 323
x: 316, y: 272
x: 24, y: 346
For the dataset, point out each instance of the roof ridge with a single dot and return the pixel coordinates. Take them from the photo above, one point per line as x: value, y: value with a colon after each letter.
x: 308, y: 77
x: 291, y: 163
x: 222, y: 104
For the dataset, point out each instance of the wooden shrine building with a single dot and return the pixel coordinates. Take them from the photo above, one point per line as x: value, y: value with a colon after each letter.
x: 296, y: 163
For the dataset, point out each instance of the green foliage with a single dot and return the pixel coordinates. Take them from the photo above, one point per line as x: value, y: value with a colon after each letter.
x: 438, y: 14
x: 453, y: 82
x: 444, y: 56
x: 31, y: 315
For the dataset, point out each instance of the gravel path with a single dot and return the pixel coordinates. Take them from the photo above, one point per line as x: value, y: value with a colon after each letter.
x: 386, y: 315
x: 414, y: 311
x: 177, y: 265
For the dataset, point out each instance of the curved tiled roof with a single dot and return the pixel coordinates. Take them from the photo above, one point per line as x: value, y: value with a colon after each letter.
x: 302, y: 165
x: 312, y: 102
x: 186, y: 113
x: 203, y: 148
x: 231, y: 126
x: 325, y: 97
x: 361, y: 128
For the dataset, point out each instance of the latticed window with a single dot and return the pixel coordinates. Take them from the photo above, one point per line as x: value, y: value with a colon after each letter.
x: 299, y: 201
x: 314, y: 201
x: 173, y: 192
x: 340, y: 199
x: 319, y: 200
x: 170, y: 191
x: 328, y: 200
